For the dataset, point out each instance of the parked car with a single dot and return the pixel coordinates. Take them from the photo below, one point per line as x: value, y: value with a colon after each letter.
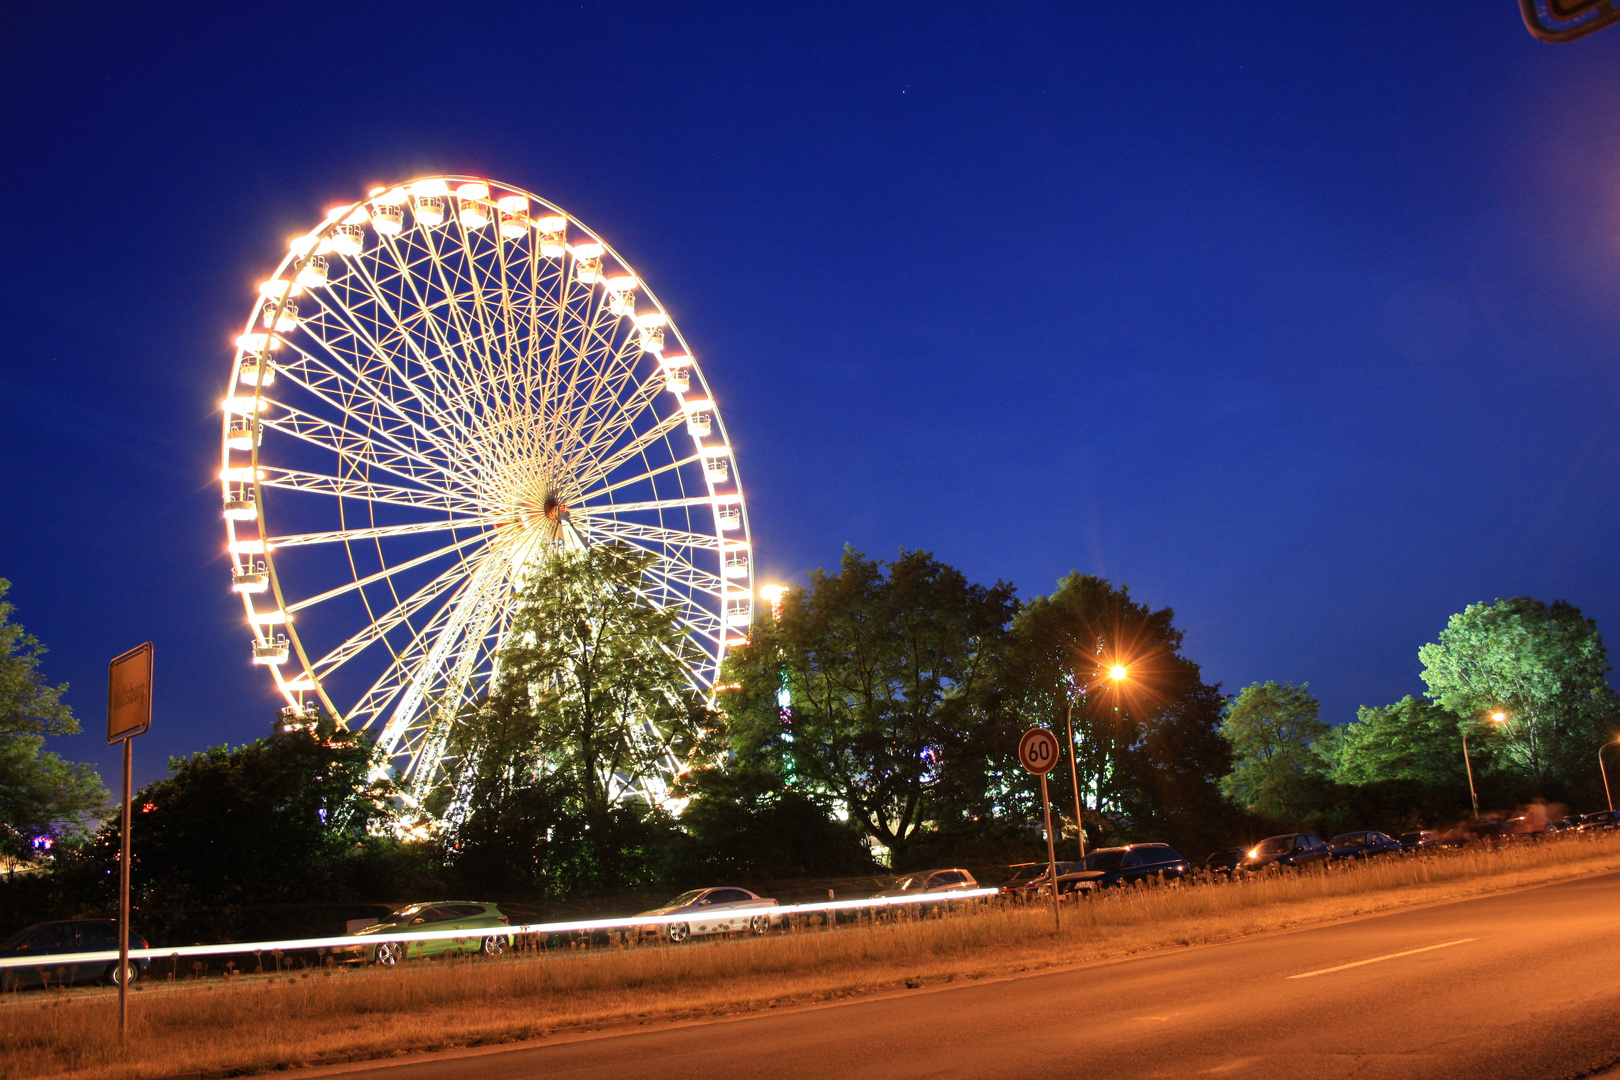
x: 54, y: 943
x: 1108, y: 867
x: 1422, y: 840
x: 1361, y: 845
x: 930, y: 881
x: 722, y: 910
x: 1603, y: 819
x: 1226, y: 860
x: 1289, y: 849
x: 1564, y: 824
x: 1025, y: 880
x: 438, y: 915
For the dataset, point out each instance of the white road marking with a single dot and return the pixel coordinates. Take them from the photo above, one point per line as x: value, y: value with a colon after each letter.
x: 1390, y: 956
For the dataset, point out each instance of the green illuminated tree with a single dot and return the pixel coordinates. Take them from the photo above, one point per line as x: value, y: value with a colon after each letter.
x: 1271, y: 728
x: 1147, y: 747
x: 40, y: 794
x: 1545, y: 667
x: 888, y: 669
x: 1412, y: 740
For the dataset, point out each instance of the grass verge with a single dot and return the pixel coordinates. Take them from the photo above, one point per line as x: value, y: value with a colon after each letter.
x: 254, y: 1024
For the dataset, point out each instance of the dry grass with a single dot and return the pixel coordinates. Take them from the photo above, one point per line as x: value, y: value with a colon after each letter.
x: 253, y: 1024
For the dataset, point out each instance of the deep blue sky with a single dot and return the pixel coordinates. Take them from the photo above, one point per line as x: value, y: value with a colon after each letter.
x: 1303, y: 324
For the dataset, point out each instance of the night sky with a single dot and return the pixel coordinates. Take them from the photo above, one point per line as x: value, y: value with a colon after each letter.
x: 1299, y: 319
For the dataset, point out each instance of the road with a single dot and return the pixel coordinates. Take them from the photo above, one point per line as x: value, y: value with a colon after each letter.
x: 1520, y: 986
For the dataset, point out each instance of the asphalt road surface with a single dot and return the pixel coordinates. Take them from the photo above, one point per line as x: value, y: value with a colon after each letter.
x: 1520, y: 986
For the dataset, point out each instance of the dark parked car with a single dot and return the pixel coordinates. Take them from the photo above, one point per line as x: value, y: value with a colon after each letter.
x: 1603, y: 819
x: 1422, y: 840
x: 55, y: 942
x: 1225, y: 861
x: 1107, y: 867
x: 1025, y: 880
x: 930, y: 881
x: 1289, y: 849
x: 1361, y: 845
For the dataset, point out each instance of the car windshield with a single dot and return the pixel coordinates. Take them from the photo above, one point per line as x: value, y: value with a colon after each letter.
x: 16, y: 939
x: 402, y: 915
x: 1276, y: 844
x: 1105, y: 860
x: 686, y: 898
x: 915, y: 881
x: 1024, y: 873
x: 1347, y: 838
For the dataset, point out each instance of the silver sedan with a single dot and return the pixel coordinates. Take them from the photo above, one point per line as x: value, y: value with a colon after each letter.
x: 714, y: 911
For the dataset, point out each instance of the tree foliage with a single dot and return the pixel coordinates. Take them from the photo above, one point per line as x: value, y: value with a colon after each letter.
x: 593, y: 685
x: 1412, y: 740
x: 267, y: 821
x: 40, y: 794
x: 1271, y: 728
x: 1545, y: 667
x: 1147, y: 748
x: 887, y: 669
x: 592, y: 693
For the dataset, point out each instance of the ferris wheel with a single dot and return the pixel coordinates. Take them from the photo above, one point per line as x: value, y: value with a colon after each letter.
x: 439, y: 387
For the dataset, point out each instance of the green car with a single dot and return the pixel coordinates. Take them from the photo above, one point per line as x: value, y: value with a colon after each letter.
x: 439, y: 915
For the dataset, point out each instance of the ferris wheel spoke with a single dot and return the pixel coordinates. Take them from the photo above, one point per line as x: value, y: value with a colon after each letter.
x: 276, y: 476
x: 341, y: 387
x: 649, y: 474
x: 412, y: 677
x: 369, y: 359
x: 593, y: 510
x: 444, y: 588
x: 379, y: 532
x: 444, y: 388
x: 383, y: 575
x: 381, y: 452
x: 592, y: 471
x: 652, y: 536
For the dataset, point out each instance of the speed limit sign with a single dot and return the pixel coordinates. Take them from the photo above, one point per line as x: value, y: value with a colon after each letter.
x: 1038, y: 751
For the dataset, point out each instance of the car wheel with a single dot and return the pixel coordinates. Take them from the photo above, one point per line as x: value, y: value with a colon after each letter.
x: 493, y: 946
x: 390, y: 954
x: 759, y: 925
x: 132, y: 971
x: 679, y: 932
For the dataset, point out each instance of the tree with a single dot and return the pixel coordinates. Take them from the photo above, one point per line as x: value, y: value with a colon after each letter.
x: 1545, y: 667
x: 1271, y: 728
x: 1412, y: 740
x: 264, y: 822
x: 592, y: 693
x: 887, y: 670
x: 40, y: 794
x: 1147, y: 748
x: 594, y: 683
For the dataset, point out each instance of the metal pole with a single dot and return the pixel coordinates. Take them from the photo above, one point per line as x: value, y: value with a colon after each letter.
x: 1604, y: 769
x: 123, y: 903
x: 1074, y: 778
x: 1051, y: 855
x: 1469, y: 766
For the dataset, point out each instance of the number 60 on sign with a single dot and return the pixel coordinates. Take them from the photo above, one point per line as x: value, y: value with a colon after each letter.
x: 1038, y: 751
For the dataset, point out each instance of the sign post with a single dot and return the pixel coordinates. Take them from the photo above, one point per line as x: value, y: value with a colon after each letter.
x: 1038, y: 752
x: 129, y: 713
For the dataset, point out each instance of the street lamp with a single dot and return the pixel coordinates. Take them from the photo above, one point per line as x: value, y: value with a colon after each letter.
x: 1496, y: 718
x: 1604, y: 770
x: 1118, y: 673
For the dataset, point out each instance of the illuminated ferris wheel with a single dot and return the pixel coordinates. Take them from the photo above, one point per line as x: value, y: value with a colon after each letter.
x: 440, y: 386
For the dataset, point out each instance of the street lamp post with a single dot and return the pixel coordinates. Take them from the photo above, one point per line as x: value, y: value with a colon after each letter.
x: 1118, y: 673
x: 1605, y: 771
x: 1496, y: 718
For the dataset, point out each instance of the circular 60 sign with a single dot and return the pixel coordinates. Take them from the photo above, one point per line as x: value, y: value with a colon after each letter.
x: 1038, y: 751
